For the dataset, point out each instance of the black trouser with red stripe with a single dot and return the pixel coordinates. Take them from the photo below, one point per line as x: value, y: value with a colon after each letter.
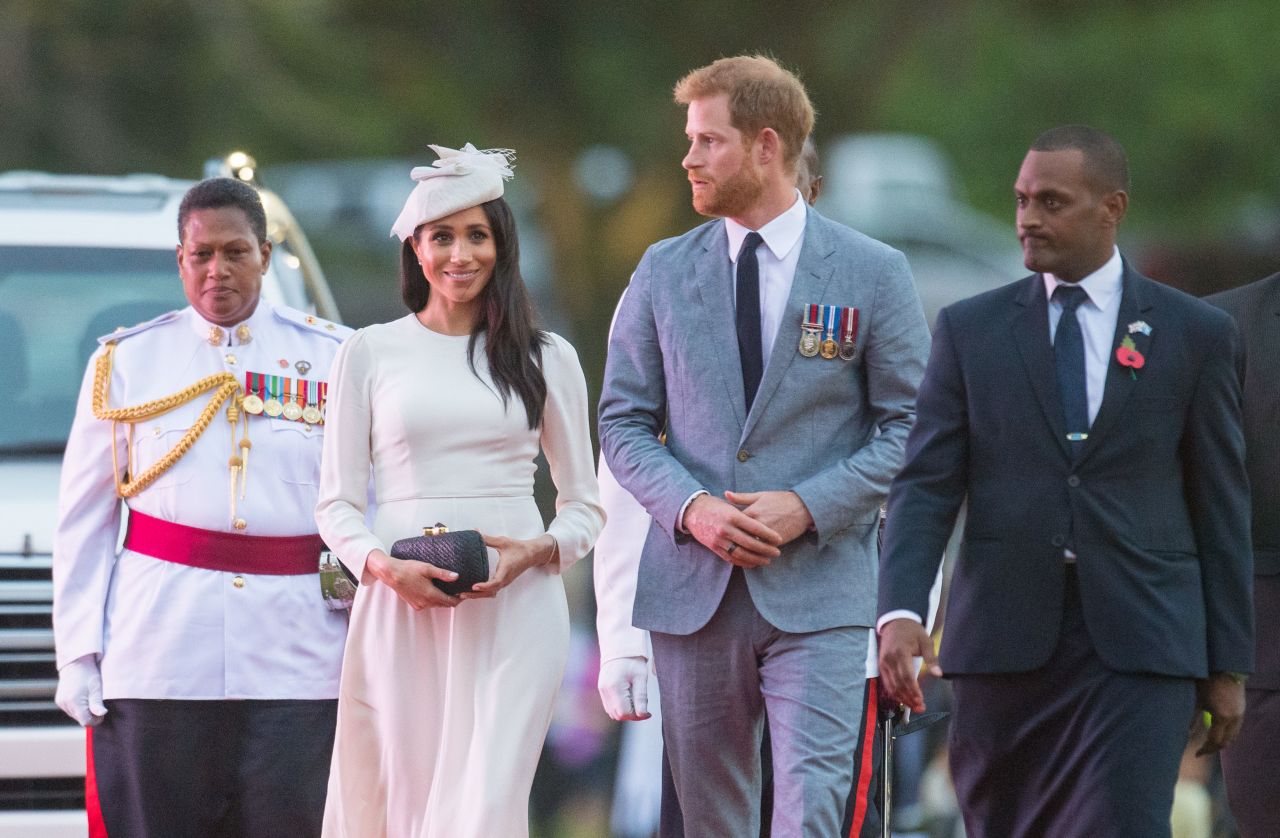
x: 219, y: 769
x: 862, y: 816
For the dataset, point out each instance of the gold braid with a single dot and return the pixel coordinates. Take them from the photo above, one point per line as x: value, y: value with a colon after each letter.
x: 224, y: 384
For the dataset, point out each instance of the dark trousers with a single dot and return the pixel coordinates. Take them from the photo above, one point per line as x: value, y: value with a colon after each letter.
x: 1249, y: 764
x: 222, y: 769
x: 1070, y: 750
x: 1251, y: 768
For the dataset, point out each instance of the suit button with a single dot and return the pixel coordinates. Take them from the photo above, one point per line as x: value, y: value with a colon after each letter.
x: 1073, y: 481
x: 238, y: 581
x: 744, y: 455
x: 1059, y: 540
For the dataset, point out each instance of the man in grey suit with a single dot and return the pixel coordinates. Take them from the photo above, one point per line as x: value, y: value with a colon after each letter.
x: 779, y: 353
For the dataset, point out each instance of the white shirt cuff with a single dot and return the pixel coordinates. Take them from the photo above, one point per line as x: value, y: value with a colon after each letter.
x: 900, y: 614
x: 684, y: 507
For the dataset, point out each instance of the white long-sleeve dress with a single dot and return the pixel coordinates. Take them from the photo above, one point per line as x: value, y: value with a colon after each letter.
x: 442, y: 713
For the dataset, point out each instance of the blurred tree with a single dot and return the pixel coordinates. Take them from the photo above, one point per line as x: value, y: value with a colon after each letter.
x: 160, y: 85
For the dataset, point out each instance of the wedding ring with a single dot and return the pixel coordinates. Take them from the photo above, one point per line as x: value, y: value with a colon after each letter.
x: 728, y: 551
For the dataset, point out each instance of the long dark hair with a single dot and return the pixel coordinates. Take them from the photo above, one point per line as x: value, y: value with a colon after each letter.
x: 513, y: 343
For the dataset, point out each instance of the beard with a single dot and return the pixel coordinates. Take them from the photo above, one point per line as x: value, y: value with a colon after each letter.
x: 732, y: 196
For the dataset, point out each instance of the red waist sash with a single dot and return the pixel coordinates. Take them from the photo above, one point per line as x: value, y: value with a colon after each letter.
x: 288, y: 555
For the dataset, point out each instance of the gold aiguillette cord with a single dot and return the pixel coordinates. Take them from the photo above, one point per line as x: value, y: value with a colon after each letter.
x: 223, y: 385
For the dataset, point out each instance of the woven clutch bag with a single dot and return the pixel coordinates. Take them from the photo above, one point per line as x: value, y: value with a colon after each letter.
x: 463, y: 552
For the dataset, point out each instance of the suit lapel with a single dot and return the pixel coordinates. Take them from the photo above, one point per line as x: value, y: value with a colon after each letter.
x: 1120, y: 382
x: 813, y: 273
x: 714, y: 280
x: 1031, y: 336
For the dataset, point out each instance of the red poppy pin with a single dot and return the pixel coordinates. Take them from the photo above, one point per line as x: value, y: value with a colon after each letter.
x: 1129, y: 356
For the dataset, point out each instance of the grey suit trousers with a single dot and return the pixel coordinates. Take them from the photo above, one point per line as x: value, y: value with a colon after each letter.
x: 716, y: 684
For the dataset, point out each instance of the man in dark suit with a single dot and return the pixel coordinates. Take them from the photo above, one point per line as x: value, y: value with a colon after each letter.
x: 1091, y: 419
x: 1253, y: 780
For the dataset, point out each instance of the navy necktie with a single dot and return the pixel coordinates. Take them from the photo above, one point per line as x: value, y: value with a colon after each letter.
x: 1068, y: 355
x: 748, y: 317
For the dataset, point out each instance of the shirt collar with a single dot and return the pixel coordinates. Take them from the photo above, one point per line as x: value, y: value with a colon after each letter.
x: 780, y: 234
x: 1102, y: 285
x: 237, y: 335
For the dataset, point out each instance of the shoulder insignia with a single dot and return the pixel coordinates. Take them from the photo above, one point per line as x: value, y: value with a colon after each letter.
x: 311, y: 323
x: 122, y: 332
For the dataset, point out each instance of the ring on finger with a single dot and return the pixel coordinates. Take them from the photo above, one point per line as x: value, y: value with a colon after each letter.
x: 728, y: 551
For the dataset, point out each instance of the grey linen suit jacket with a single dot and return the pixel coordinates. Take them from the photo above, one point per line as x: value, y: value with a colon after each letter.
x: 833, y: 431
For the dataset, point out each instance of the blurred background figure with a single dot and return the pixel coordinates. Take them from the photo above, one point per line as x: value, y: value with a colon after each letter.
x: 1252, y: 774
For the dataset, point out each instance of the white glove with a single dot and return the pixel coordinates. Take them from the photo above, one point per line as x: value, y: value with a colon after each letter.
x: 624, y: 688
x: 80, y: 691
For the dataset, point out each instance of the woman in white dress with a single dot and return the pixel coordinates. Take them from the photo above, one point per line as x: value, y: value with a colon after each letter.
x: 445, y: 701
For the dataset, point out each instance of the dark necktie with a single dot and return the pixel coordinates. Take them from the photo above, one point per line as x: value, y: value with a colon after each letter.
x: 1068, y: 355
x: 748, y: 295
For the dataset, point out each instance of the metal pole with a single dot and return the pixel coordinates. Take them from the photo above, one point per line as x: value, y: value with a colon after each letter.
x: 886, y: 774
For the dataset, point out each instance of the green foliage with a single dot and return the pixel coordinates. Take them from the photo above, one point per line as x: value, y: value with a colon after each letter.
x: 1185, y: 87
x: 160, y: 85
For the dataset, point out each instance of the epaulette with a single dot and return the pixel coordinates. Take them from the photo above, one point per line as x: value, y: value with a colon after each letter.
x: 312, y: 323
x: 123, y: 332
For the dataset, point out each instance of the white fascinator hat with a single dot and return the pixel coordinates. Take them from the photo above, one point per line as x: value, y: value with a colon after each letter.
x: 459, y: 179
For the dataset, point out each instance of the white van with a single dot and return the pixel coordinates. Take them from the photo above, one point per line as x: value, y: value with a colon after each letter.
x: 79, y: 256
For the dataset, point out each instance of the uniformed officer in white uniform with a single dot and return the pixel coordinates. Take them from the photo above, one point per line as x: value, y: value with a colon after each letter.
x: 202, y: 657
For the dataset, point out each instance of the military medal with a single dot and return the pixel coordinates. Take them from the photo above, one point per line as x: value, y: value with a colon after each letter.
x: 291, y: 409
x: 311, y: 413
x: 303, y: 367
x: 252, y: 401
x: 849, y: 331
x: 272, y: 406
x: 809, y: 329
x: 830, y: 348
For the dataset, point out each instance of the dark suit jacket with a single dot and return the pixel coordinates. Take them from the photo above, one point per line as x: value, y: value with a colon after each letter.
x: 1256, y: 309
x: 1156, y: 503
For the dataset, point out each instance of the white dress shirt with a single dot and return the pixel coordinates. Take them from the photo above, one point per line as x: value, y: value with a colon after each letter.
x: 778, y: 257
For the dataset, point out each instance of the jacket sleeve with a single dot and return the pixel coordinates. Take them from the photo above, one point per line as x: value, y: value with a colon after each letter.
x: 84, y: 544
x: 1218, y: 497
x: 633, y: 408
x: 927, y: 494
x: 616, y: 565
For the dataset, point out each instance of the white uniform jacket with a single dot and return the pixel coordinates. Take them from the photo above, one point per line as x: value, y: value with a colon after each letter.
x: 163, y: 630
